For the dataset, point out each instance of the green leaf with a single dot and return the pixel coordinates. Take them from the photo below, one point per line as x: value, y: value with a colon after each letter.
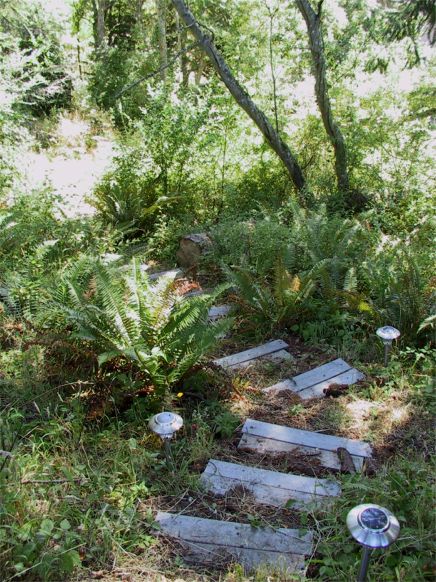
x: 46, y: 527
x: 70, y: 560
x: 106, y: 356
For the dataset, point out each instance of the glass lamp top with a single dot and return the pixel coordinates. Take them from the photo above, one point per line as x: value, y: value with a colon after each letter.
x: 165, y: 424
x: 374, y: 518
x: 388, y: 333
x: 373, y: 526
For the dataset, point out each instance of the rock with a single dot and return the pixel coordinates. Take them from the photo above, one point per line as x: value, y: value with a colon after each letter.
x: 191, y: 247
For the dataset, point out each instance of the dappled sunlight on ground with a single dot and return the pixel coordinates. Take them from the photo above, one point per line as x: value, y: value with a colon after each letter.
x: 360, y: 413
x: 72, y: 167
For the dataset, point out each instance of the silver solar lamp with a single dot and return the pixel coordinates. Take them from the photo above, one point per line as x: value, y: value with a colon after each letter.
x: 372, y: 527
x: 166, y: 424
x: 388, y: 334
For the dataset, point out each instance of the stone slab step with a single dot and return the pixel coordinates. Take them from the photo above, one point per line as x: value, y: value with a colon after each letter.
x: 252, y: 354
x: 218, y: 311
x: 312, y: 384
x: 269, y: 487
x: 263, y: 437
x: 280, y: 356
x: 213, y: 542
x: 173, y: 273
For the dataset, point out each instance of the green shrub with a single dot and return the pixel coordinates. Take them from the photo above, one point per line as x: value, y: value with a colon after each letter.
x: 33, y: 59
x: 400, y: 290
x: 127, y: 197
x: 256, y: 245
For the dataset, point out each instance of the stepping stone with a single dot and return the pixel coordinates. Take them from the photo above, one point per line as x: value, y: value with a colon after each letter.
x: 194, y: 293
x: 263, y: 437
x: 235, y: 360
x: 212, y: 542
x: 269, y: 487
x: 313, y: 383
x: 174, y: 274
x: 218, y: 311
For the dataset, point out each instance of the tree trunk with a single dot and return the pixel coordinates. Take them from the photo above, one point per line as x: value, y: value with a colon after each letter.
x: 162, y: 33
x: 100, y: 28
x: 139, y: 17
x: 241, y: 96
x: 181, y: 45
x: 321, y: 90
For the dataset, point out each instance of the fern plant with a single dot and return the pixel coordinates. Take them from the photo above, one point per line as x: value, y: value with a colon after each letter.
x: 330, y: 247
x: 126, y: 316
x: 399, y: 291
x: 273, y: 303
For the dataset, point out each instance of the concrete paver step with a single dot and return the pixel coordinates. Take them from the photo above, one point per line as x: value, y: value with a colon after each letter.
x: 213, y: 542
x: 269, y: 487
x: 263, y: 437
x: 312, y: 384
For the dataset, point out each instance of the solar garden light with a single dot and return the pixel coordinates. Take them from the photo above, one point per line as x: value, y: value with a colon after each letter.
x: 166, y: 424
x: 373, y: 527
x: 387, y: 335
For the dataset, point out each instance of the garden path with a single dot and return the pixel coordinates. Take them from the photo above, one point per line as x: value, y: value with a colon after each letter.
x: 212, y: 542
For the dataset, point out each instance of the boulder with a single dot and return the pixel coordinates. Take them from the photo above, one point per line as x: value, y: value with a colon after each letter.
x: 191, y: 248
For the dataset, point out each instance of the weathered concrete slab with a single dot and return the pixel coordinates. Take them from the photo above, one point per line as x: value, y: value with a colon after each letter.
x: 218, y: 311
x: 269, y: 487
x: 211, y: 542
x: 173, y: 273
x: 264, y: 437
x: 280, y: 356
x: 252, y: 354
x: 194, y: 293
x: 312, y: 384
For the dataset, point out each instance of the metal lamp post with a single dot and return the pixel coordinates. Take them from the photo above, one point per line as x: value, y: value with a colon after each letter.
x: 388, y: 334
x: 373, y: 527
x: 166, y: 424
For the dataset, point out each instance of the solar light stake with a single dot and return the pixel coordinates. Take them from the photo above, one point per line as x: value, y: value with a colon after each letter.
x: 373, y: 527
x: 366, y: 554
x: 166, y: 424
x: 387, y: 335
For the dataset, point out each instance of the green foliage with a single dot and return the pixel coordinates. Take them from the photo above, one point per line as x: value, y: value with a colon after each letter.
x: 127, y: 198
x: 328, y: 248
x: 399, y: 289
x: 64, y: 508
x: 251, y: 244
x: 150, y: 178
x: 32, y: 59
x: 275, y: 303
x: 126, y: 316
x: 34, y: 242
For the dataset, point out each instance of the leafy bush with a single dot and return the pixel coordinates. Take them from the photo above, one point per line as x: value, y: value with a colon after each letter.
x: 33, y: 59
x: 256, y: 245
x: 127, y: 197
x: 400, y: 290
